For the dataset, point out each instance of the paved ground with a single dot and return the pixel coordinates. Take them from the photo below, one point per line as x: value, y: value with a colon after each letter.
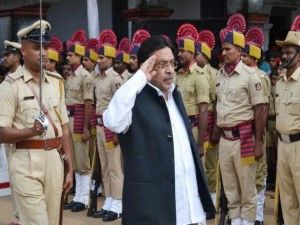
x: 81, y: 218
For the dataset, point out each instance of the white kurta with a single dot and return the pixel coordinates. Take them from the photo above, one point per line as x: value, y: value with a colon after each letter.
x: 118, y: 118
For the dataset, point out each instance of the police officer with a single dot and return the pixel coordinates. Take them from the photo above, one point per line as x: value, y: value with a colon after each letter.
x: 251, y: 54
x: 193, y: 84
x: 205, y: 45
x: 122, y: 59
x: 12, y: 57
x: 36, y: 166
x: 54, y: 50
x: 109, y: 150
x: 239, y: 110
x: 138, y: 37
x: 287, y: 105
x: 79, y: 98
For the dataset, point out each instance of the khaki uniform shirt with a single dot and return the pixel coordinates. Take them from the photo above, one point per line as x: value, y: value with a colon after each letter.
x: 20, y: 105
x: 194, y: 88
x: 287, y: 103
x: 237, y: 94
x: 212, y: 75
x: 106, y: 87
x: 80, y: 87
x: 266, y: 85
x: 94, y: 75
x: 125, y: 76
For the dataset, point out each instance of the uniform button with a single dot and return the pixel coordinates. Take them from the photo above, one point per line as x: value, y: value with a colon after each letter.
x: 173, y: 181
x: 172, y: 160
x: 170, y: 138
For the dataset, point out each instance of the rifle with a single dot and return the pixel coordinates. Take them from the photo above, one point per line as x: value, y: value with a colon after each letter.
x: 95, y: 183
x: 221, y: 204
x: 278, y: 216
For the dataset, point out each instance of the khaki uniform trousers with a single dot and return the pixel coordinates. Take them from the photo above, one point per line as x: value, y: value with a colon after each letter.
x: 37, y: 177
x: 111, y: 167
x: 211, y: 162
x: 238, y: 181
x: 288, y: 170
x: 81, y: 159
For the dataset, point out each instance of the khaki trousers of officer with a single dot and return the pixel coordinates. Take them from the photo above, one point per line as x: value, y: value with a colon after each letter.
x: 37, y: 177
x: 288, y: 170
x: 211, y: 162
x: 81, y: 159
x: 111, y: 167
x: 238, y: 181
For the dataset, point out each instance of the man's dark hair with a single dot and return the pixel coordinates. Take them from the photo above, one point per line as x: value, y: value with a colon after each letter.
x: 151, y: 45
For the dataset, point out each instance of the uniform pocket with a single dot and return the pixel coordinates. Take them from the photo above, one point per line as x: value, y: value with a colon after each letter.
x: 29, y: 109
x: 189, y: 93
x: 233, y: 95
x: 294, y: 106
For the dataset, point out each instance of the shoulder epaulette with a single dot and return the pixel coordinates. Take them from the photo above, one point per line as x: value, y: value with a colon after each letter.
x: 14, y: 76
x: 54, y: 74
x: 249, y: 69
x: 200, y: 70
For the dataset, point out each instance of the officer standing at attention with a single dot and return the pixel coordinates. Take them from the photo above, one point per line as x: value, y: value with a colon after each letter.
x: 251, y: 54
x: 287, y: 105
x: 192, y: 83
x: 205, y: 45
x: 36, y: 168
x: 122, y: 59
x: 54, y: 50
x: 138, y: 37
x: 239, y: 115
x: 79, y: 98
x: 107, y: 83
x: 12, y: 60
x: 89, y: 63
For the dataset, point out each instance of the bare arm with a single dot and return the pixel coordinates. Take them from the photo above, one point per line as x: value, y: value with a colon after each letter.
x: 67, y: 150
x: 87, y: 116
x: 216, y: 130
x: 259, y: 130
x: 12, y: 135
x: 202, y: 127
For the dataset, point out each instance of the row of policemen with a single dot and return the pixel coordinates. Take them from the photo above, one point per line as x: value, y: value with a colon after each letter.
x: 112, y: 64
x: 227, y: 109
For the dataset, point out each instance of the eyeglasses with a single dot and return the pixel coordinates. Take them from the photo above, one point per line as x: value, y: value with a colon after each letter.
x: 164, y: 64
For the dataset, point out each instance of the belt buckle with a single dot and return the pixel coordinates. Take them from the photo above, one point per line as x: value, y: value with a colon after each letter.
x: 285, y: 138
x: 46, y: 147
x: 228, y: 133
x: 68, y: 111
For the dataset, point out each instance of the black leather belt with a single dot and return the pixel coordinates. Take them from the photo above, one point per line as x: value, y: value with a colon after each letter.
x: 289, y: 138
x: 234, y: 133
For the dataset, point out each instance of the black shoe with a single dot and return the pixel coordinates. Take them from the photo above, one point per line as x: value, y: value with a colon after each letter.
x: 111, y: 216
x: 69, y: 205
x: 259, y: 222
x: 78, y: 207
x: 100, y: 214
